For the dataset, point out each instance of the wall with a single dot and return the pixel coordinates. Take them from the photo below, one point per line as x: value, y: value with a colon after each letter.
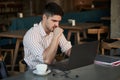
x: 34, y: 7
x: 76, y: 5
x: 115, y: 18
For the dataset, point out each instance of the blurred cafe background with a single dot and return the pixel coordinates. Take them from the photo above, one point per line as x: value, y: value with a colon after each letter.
x: 22, y: 14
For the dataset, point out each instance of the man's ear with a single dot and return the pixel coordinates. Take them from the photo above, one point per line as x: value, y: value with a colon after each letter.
x: 44, y: 16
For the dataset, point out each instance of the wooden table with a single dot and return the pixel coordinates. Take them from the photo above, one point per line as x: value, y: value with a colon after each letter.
x: 90, y: 72
x: 81, y: 27
x: 19, y: 36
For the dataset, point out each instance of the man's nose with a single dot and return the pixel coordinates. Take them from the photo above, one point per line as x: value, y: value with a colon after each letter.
x: 57, y: 24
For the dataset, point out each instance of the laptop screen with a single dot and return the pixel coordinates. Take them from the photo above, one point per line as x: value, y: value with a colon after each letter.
x: 83, y: 54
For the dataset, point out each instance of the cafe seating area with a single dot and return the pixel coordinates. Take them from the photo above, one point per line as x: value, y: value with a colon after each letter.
x: 79, y: 17
x: 85, y: 16
x: 91, y: 24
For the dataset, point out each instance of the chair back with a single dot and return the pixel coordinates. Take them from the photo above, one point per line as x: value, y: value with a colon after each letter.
x: 98, y: 31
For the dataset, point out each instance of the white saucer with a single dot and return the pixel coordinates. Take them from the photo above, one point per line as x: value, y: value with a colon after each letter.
x: 42, y: 74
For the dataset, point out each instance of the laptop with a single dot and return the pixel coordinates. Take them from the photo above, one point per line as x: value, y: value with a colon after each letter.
x: 81, y: 55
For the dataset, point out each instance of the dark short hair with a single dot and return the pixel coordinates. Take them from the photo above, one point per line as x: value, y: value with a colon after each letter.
x: 53, y: 9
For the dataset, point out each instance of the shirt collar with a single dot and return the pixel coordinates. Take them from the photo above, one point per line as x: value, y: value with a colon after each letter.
x: 42, y: 31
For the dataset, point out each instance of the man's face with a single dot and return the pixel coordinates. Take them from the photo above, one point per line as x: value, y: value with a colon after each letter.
x: 52, y: 22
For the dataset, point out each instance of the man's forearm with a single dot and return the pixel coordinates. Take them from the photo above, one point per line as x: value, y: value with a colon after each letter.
x: 50, y: 52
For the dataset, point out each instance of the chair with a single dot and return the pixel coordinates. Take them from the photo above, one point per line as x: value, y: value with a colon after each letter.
x: 9, y: 49
x: 106, y: 45
x: 99, y: 32
x: 22, y: 66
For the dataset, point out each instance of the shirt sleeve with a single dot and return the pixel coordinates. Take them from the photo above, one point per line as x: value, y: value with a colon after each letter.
x: 37, y: 50
x: 34, y: 47
x: 64, y: 44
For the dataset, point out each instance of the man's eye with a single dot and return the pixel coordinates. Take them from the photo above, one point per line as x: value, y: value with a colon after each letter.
x: 54, y: 21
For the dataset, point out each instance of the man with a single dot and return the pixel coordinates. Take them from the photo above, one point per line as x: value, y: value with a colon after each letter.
x: 42, y: 40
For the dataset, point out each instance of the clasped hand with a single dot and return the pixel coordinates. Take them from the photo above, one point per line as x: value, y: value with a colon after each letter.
x: 58, y: 32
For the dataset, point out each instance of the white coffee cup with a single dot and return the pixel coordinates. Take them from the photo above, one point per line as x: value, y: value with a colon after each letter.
x: 41, y: 68
x: 20, y: 15
x: 73, y: 22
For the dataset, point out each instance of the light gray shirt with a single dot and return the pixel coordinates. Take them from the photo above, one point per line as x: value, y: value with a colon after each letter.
x: 36, y: 41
